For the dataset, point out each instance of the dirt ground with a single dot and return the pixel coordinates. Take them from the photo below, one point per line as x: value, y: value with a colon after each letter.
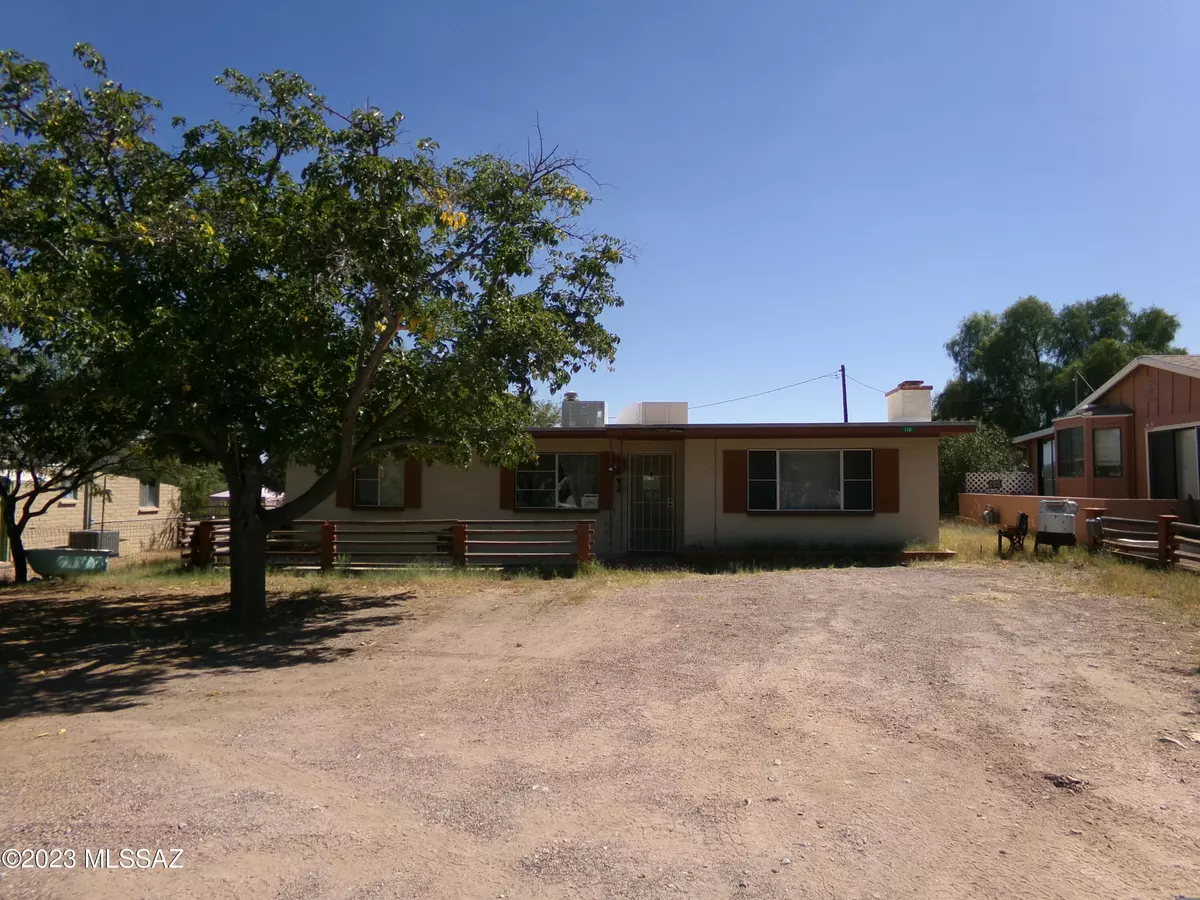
x: 855, y: 733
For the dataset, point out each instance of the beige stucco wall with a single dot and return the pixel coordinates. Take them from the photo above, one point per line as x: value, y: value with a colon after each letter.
x: 707, y: 526
x: 141, y: 529
x: 474, y: 493
x: 448, y: 492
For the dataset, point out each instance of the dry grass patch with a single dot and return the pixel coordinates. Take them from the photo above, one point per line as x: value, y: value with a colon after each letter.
x: 1090, y: 573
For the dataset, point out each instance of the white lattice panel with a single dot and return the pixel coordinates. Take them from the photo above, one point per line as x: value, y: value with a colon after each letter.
x: 999, y: 483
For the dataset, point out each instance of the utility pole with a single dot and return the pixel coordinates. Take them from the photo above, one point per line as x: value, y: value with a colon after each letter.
x: 845, y: 408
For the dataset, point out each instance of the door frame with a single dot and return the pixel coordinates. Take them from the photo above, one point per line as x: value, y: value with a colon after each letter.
x: 1146, y: 439
x: 672, y: 500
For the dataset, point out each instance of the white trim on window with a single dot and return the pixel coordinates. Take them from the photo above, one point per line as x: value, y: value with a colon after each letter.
x: 378, y: 480
x: 842, y: 480
x: 589, y: 500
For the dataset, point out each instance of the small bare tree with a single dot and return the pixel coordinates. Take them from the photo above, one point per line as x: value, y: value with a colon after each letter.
x: 59, y: 430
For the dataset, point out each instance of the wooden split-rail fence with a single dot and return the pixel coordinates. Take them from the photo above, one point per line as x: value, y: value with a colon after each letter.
x: 1165, y: 542
x: 361, y: 545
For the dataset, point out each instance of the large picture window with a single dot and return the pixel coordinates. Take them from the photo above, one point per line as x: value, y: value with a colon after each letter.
x: 559, y: 481
x: 1106, y: 452
x: 1070, y: 452
x: 810, y: 480
x: 380, y: 485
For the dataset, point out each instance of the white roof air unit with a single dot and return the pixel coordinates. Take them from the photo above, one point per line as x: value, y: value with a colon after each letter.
x: 654, y: 413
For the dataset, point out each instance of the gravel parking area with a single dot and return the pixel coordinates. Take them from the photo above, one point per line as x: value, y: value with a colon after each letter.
x: 852, y: 733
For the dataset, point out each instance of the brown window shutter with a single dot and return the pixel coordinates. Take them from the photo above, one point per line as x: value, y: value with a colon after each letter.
x: 605, y: 481
x: 734, y: 489
x: 887, y: 481
x: 508, y: 489
x: 412, y: 483
x: 345, y: 491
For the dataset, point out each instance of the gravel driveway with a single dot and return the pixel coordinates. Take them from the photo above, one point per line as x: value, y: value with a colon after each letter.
x: 853, y: 733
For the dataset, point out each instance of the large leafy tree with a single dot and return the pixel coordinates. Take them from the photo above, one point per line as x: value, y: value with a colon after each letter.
x: 1022, y: 368
x: 295, y: 286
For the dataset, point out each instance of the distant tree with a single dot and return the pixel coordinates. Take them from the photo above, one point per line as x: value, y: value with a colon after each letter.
x: 989, y: 449
x: 299, y: 285
x: 1022, y: 368
x: 545, y: 414
x: 197, y: 483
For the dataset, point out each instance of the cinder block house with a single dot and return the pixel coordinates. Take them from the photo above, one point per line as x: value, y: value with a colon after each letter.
x: 654, y: 483
x: 143, y: 513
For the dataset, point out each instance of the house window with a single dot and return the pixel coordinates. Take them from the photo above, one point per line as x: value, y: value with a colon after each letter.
x: 70, y: 498
x: 1070, y: 452
x: 148, y: 494
x: 559, y: 481
x: 1106, y: 452
x: 380, y: 485
x: 1046, y: 467
x: 810, y: 480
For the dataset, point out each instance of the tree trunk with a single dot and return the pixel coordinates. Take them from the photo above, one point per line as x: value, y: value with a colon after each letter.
x: 247, y: 550
x: 16, y: 546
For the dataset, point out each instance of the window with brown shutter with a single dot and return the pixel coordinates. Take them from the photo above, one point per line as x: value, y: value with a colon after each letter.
x: 508, y: 489
x: 809, y: 481
x: 344, y: 499
x: 887, y: 481
x: 733, y: 486
x: 560, y: 481
x: 413, y: 469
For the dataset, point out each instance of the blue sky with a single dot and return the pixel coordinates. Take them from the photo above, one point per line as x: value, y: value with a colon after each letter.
x: 808, y: 184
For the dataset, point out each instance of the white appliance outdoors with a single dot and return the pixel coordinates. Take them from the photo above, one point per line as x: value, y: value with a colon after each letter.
x: 1056, y: 523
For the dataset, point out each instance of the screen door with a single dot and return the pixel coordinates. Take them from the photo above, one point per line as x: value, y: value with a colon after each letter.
x: 652, y: 502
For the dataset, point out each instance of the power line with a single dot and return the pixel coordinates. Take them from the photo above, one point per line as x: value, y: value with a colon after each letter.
x: 762, y: 393
x: 864, y: 384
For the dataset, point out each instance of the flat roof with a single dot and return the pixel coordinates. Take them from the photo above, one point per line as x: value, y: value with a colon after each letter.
x: 764, y: 430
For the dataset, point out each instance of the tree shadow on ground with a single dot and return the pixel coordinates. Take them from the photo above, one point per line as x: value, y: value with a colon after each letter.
x: 66, y: 654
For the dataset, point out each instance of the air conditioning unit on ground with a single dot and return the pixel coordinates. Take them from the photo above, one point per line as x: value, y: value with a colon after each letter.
x: 94, y: 539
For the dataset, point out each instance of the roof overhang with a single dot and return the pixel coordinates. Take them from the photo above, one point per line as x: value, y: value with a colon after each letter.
x: 1157, y: 362
x: 1034, y: 435
x: 764, y: 430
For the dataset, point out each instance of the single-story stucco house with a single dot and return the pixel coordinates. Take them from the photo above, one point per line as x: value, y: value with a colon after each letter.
x: 653, y: 483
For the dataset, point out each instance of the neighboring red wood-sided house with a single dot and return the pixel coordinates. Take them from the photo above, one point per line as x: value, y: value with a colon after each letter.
x: 1135, y: 437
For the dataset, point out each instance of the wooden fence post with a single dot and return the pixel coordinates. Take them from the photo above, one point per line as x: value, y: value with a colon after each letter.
x: 458, y: 543
x: 583, y: 542
x: 328, y: 545
x: 1095, y: 512
x: 201, y: 551
x: 1166, y: 553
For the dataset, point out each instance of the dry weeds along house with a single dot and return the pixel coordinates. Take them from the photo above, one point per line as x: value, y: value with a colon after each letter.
x: 653, y: 483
